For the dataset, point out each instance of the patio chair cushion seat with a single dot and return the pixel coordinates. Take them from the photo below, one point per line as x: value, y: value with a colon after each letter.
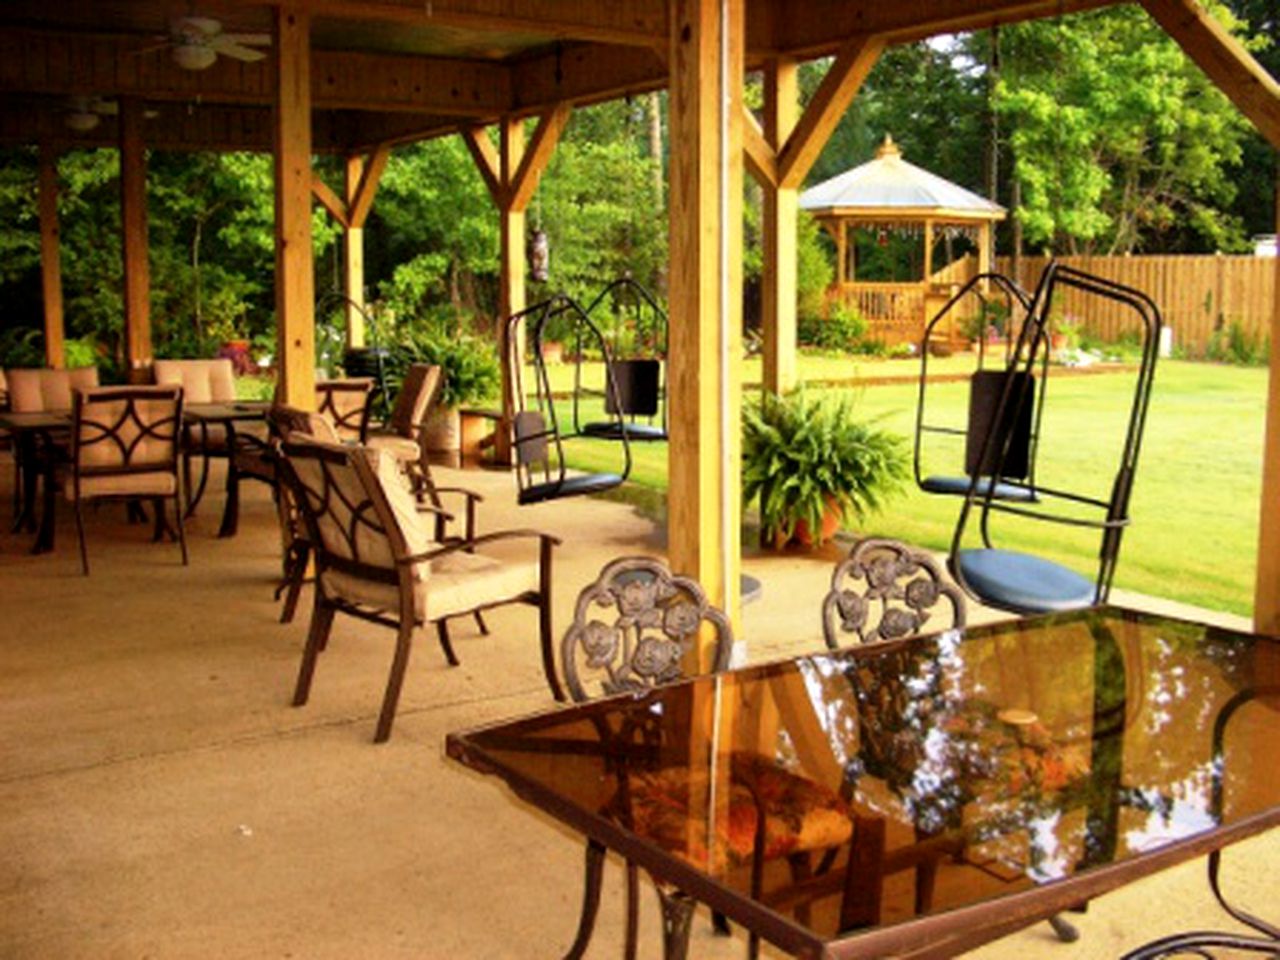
x: 402, y: 448
x: 453, y: 584
x: 1023, y: 583
x: 801, y: 815
x: 148, y: 484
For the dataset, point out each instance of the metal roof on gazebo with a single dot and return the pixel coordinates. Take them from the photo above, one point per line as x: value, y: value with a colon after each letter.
x: 890, y: 185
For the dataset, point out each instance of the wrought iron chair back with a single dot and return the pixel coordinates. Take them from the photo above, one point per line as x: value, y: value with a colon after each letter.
x: 654, y: 623
x: 346, y: 402
x: 884, y: 590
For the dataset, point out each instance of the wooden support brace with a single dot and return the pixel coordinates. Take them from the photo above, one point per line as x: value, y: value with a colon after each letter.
x: 545, y: 137
x: 336, y: 206
x: 362, y: 203
x: 837, y: 90
x: 1224, y: 60
x: 760, y: 157
x: 485, y: 155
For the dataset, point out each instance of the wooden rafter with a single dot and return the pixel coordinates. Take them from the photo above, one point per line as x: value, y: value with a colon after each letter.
x: 336, y: 206
x: 485, y: 155
x: 856, y: 58
x: 536, y: 156
x: 1226, y: 62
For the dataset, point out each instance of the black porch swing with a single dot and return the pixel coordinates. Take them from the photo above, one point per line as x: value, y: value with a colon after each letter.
x: 538, y: 441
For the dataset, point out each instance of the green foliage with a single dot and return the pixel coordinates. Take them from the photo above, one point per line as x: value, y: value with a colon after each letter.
x: 21, y: 347
x: 470, y: 366
x: 1236, y: 344
x: 799, y: 452
x: 844, y: 329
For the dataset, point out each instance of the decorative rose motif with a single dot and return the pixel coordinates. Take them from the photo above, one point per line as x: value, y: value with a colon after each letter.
x: 853, y: 610
x: 636, y: 596
x: 882, y: 572
x: 897, y: 623
x: 681, y: 619
x: 655, y: 658
x: 922, y: 593
x: 600, y: 643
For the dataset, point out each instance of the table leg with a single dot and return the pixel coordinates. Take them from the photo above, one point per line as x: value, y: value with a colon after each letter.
x: 44, y: 537
x: 194, y: 498
x: 677, y: 917
x: 25, y: 515
x: 590, y: 900
x: 231, y: 509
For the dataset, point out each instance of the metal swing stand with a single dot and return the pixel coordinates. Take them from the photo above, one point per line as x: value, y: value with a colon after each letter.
x: 1021, y: 582
x: 541, y: 471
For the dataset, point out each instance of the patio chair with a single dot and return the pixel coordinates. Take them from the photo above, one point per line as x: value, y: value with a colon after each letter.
x: 202, y: 381
x: 347, y: 403
x: 654, y: 620
x: 376, y: 560
x: 124, y: 446
x: 884, y: 591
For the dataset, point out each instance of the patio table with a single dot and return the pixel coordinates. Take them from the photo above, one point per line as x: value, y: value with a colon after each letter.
x: 226, y: 415
x: 32, y: 432
x: 1057, y: 757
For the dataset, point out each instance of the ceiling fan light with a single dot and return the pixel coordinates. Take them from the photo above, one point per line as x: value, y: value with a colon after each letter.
x: 82, y: 121
x: 194, y: 56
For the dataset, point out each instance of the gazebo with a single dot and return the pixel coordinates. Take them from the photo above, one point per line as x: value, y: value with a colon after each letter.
x: 912, y: 215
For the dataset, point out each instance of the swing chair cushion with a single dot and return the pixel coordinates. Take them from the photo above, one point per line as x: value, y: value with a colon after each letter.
x: 1023, y: 583
x: 569, y: 487
x: 959, y: 486
x: 613, y: 430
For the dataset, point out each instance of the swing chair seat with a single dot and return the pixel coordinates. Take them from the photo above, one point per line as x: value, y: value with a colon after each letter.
x: 959, y: 486
x: 1021, y: 582
x: 612, y: 430
x: 568, y: 487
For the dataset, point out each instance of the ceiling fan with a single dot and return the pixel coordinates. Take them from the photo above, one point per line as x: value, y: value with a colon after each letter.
x: 82, y: 114
x: 197, y: 42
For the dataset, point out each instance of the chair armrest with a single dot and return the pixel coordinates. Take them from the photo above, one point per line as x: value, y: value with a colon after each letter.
x: 439, y: 512
x: 546, y: 539
x: 471, y: 495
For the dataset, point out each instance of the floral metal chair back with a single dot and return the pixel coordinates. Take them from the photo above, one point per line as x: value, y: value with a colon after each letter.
x: 656, y: 620
x: 884, y: 590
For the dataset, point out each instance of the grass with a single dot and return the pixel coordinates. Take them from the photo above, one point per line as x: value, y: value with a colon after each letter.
x: 1195, y: 503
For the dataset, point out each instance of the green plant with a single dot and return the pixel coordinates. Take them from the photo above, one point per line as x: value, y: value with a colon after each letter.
x: 470, y: 366
x: 802, y: 455
x: 843, y: 328
x: 1236, y: 344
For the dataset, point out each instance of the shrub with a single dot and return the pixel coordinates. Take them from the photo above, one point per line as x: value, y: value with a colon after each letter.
x: 1235, y: 344
x: 470, y: 366
x: 843, y: 329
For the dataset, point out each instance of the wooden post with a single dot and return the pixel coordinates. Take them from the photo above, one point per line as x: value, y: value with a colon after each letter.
x: 778, y: 226
x: 704, y: 498
x: 51, y: 259
x: 133, y: 221
x: 511, y: 289
x: 295, y: 286
x: 353, y: 256
x: 1266, y: 598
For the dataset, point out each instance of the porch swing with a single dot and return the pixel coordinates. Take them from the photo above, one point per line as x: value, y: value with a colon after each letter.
x: 634, y: 387
x: 538, y: 441
x: 1025, y: 583
x: 1015, y: 479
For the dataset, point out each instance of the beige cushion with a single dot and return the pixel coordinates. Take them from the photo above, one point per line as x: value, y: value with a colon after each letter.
x: 111, y: 414
x: 400, y: 448
x: 151, y: 484
x: 202, y: 381
x: 32, y: 390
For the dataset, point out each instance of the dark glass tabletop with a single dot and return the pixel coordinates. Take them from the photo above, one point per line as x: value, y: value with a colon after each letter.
x: 975, y: 780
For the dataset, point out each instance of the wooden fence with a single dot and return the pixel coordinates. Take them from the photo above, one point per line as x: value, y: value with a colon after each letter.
x: 1197, y: 295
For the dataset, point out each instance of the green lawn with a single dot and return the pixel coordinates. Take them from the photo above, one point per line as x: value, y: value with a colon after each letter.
x: 1195, y: 504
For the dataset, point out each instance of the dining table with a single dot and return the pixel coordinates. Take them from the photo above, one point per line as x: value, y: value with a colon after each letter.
x: 991, y: 776
x: 229, y: 417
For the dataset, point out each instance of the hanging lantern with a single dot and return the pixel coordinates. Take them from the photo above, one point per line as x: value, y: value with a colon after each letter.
x: 539, y: 255
x: 882, y: 237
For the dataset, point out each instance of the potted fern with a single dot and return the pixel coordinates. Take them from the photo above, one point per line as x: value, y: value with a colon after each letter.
x: 813, y: 463
x: 470, y: 375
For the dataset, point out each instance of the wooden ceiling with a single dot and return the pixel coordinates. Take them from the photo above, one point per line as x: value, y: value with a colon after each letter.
x: 390, y: 71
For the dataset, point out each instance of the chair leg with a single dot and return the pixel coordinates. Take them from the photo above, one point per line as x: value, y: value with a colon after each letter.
x: 590, y: 900
x: 182, y: 530
x: 404, y: 640
x: 84, y: 551
x: 158, y: 528
x: 545, y: 638
x: 442, y: 631
x: 677, y: 913
x: 1066, y: 931
x: 633, y: 912
x: 295, y: 574
x: 484, y: 627
x: 317, y: 637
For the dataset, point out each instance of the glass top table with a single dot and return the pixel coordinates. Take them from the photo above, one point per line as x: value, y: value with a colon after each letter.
x: 1024, y: 767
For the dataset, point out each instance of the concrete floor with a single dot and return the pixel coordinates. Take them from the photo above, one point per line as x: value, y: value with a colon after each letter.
x: 159, y: 798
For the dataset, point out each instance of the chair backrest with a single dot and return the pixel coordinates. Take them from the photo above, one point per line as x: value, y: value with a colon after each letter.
x: 884, y: 590
x: 119, y: 430
x: 656, y: 620
x: 359, y: 516
x: 418, y: 393
x: 39, y: 389
x: 346, y: 403
x: 284, y: 420
x: 202, y: 381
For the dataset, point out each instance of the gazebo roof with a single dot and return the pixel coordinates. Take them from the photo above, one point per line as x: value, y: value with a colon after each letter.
x: 890, y: 186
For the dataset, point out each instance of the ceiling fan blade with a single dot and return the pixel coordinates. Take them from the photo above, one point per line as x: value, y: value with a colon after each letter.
x: 237, y: 52
x: 246, y: 39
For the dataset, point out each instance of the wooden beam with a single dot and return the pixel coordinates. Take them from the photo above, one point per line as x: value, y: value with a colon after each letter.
x: 353, y: 176
x: 1266, y: 596
x: 585, y: 74
x: 1224, y: 60
x: 704, y: 379
x: 295, y: 294
x: 486, y: 157
x: 366, y: 188
x: 511, y: 287
x: 832, y: 98
x: 133, y: 217
x: 51, y: 259
x: 760, y: 157
x: 778, y: 230
x: 336, y: 206
x: 534, y: 161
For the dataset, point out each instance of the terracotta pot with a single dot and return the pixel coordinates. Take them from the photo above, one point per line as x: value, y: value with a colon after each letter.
x: 443, y: 431
x: 804, y: 536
